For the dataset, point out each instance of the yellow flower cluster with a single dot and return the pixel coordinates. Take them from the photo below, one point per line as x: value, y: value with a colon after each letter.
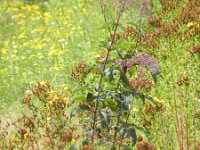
x: 193, y: 25
x: 153, y: 109
x: 57, y: 101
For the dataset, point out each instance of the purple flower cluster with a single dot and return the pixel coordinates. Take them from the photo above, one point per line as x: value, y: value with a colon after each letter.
x: 125, y: 65
x: 145, y: 60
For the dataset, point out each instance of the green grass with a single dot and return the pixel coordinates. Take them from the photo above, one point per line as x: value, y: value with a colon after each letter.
x: 41, y: 41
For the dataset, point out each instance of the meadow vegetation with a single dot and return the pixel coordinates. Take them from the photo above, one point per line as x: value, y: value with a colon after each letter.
x: 107, y: 74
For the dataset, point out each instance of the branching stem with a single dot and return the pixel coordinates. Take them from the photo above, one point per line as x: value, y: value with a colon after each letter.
x: 104, y: 67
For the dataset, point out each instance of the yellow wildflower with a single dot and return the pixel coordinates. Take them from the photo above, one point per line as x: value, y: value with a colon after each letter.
x: 4, y: 51
x: 73, y: 139
x: 26, y: 135
x: 21, y: 36
x: 97, y: 57
x: 190, y: 24
x: 158, y: 101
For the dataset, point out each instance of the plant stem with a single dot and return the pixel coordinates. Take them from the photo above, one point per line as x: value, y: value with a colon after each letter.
x: 102, y: 74
x: 177, y: 124
x: 115, y: 134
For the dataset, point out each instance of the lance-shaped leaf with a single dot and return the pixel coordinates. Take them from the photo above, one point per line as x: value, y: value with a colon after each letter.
x: 132, y: 134
x: 105, y: 117
x: 84, y: 107
x: 109, y: 74
x: 155, y: 76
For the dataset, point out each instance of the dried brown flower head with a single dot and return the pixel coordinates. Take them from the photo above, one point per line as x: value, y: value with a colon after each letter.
x: 26, y: 99
x: 196, y: 49
x: 168, y: 5
x: 183, y: 80
x: 41, y: 90
x: 87, y: 147
x: 157, y: 22
x: 141, y: 81
x: 67, y: 136
x: 79, y: 71
x: 190, y: 12
x: 57, y: 102
x: 128, y: 34
x: 28, y: 122
x: 145, y: 146
x: 153, y: 109
x: 167, y: 29
x: 139, y: 138
x: 149, y: 39
x: 22, y: 133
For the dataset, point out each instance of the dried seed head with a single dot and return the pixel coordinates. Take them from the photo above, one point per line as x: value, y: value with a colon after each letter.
x: 41, y: 89
x: 149, y: 39
x: 22, y: 133
x: 183, y: 80
x: 79, y: 72
x: 26, y: 99
x: 196, y: 49
x: 169, y: 5
x: 190, y: 12
x: 139, y: 138
x: 157, y: 22
x: 140, y: 82
x: 67, y: 136
x: 87, y: 147
x: 145, y: 146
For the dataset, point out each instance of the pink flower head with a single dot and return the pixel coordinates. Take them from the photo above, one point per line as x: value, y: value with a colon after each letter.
x: 125, y: 65
x: 147, y: 61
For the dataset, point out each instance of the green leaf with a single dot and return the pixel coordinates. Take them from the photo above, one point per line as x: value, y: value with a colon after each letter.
x: 145, y: 96
x: 73, y: 147
x: 131, y: 72
x: 109, y: 74
x: 84, y: 107
x: 155, y: 76
x: 104, y: 116
x: 90, y: 97
x: 127, y: 147
x: 126, y: 100
x: 132, y: 134
x: 78, y: 97
x: 125, y: 45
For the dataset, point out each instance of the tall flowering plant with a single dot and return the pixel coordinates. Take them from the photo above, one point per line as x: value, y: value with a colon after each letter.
x: 111, y: 83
